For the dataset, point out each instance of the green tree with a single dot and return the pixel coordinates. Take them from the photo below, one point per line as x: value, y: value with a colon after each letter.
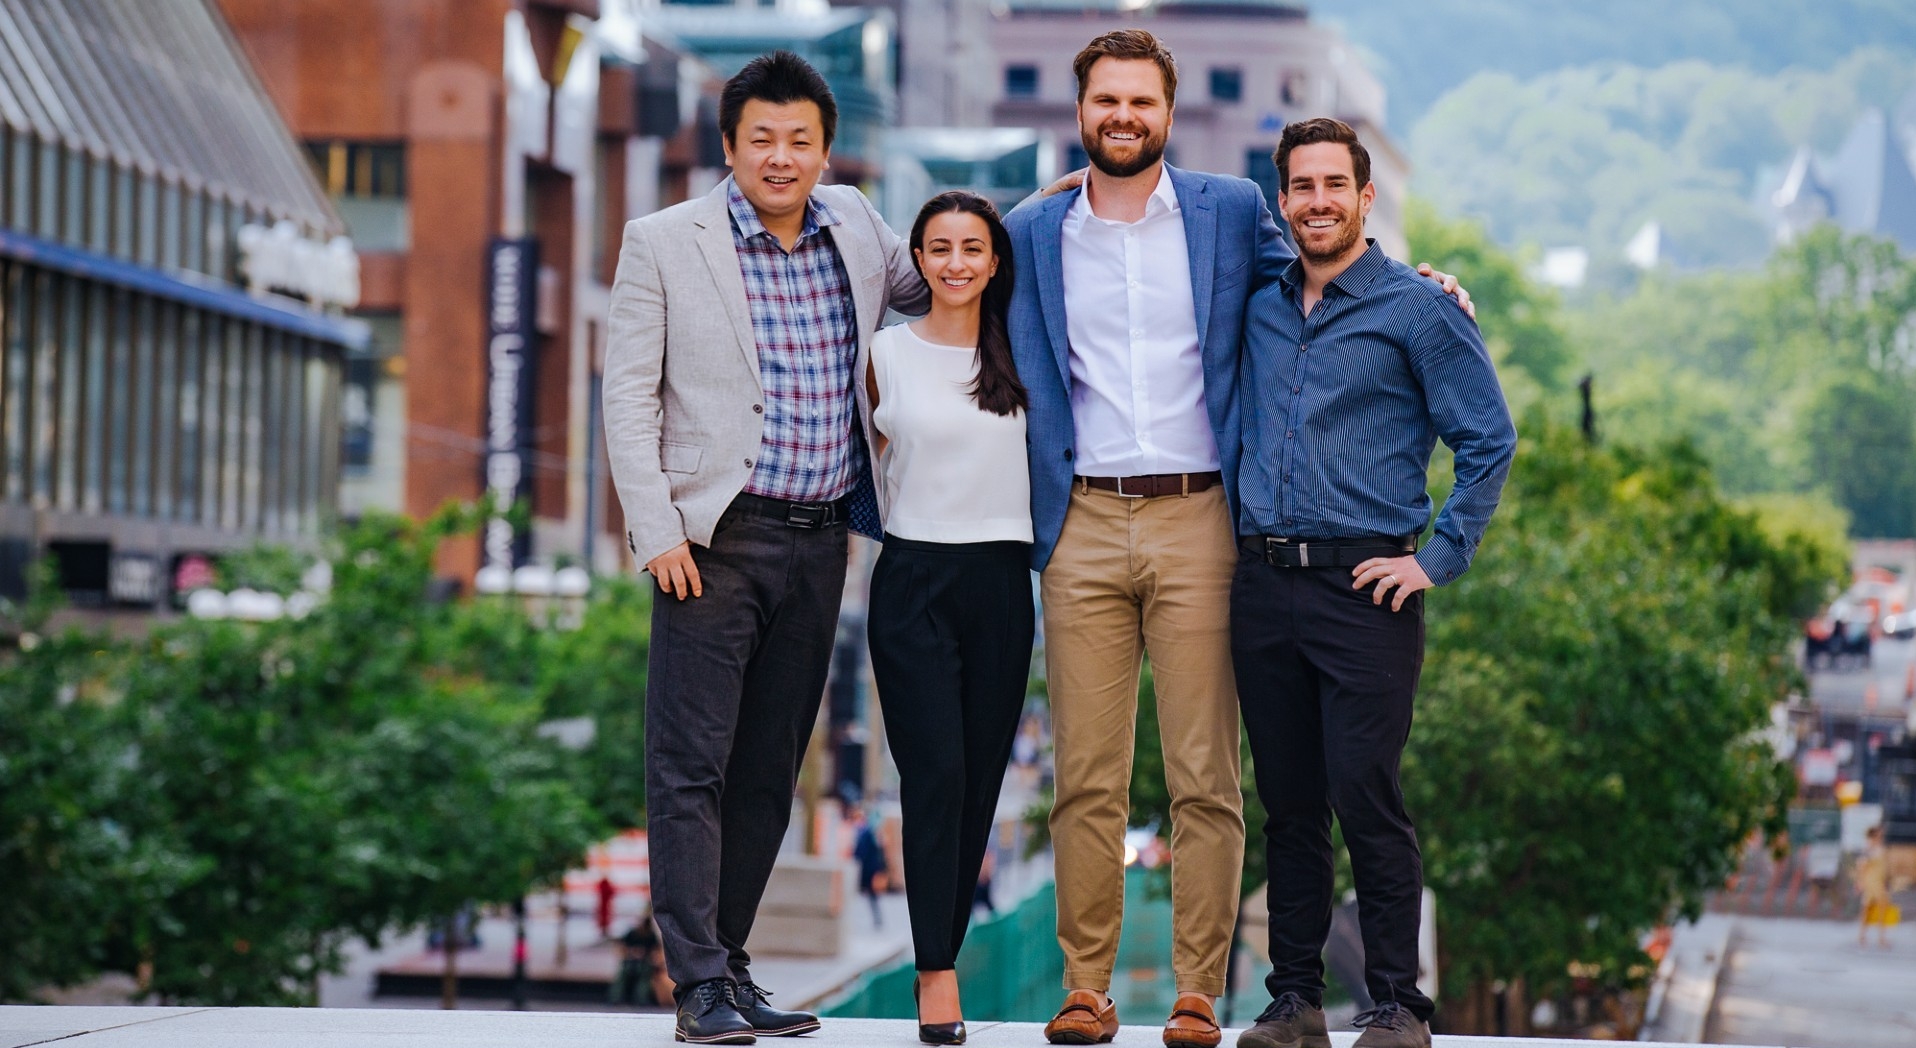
x: 1859, y: 436
x: 1585, y: 763
x: 336, y: 776
x: 74, y: 875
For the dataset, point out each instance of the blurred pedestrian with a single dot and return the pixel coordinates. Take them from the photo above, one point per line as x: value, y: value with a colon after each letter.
x: 981, y: 896
x: 641, y: 965
x: 1872, y: 884
x: 607, y: 893
x: 870, y: 855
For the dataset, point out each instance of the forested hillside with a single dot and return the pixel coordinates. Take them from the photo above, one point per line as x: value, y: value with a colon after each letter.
x: 1424, y: 48
x: 1586, y: 156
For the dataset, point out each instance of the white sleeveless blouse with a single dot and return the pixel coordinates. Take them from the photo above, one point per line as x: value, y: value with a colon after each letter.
x: 951, y: 471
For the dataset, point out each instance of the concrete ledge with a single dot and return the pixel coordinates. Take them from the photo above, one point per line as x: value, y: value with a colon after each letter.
x: 72, y: 1027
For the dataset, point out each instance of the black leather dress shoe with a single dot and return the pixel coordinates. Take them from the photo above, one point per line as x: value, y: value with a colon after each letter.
x: 766, y: 1020
x: 708, y: 1016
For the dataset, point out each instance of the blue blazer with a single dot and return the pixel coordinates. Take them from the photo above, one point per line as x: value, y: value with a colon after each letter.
x: 1235, y: 248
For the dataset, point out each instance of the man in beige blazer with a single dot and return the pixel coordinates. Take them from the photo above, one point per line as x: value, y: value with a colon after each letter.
x: 739, y: 443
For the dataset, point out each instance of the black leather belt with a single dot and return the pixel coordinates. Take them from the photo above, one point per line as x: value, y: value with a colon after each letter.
x: 1155, y: 485
x: 1325, y: 553
x: 808, y: 515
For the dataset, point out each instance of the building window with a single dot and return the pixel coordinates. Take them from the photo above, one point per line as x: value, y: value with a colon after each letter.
x: 1293, y: 89
x: 1227, y: 84
x: 1021, y: 81
x: 367, y: 182
x: 1260, y: 168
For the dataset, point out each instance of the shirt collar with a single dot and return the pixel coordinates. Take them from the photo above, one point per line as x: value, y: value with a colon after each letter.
x: 1163, y: 201
x: 818, y: 214
x: 1353, y: 281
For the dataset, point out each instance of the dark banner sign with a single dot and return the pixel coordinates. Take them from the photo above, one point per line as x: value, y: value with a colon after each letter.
x: 512, y: 266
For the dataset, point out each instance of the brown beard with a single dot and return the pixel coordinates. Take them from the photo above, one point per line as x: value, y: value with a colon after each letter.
x: 1351, y: 233
x: 1150, y: 151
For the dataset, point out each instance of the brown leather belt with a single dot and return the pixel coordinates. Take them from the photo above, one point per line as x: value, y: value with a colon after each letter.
x: 1155, y: 485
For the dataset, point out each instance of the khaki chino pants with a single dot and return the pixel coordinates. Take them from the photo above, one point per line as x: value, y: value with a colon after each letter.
x: 1131, y: 576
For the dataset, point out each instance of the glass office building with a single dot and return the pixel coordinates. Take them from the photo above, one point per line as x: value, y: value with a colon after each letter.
x: 171, y: 281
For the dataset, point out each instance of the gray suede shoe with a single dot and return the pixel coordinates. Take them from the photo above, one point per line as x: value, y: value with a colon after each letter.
x: 1290, y: 1022
x: 1391, y: 1025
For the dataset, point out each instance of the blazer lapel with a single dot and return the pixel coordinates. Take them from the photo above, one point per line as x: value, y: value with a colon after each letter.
x: 862, y: 264
x: 1047, y: 241
x: 1200, y: 241
x: 721, y: 256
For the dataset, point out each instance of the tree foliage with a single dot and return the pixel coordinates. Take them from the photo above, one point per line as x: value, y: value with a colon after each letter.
x: 1585, y: 762
x: 221, y: 805
x: 1800, y: 378
x: 1422, y: 51
x: 1586, y: 155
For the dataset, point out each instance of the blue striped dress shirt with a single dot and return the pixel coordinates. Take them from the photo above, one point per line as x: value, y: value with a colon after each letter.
x: 1341, y: 410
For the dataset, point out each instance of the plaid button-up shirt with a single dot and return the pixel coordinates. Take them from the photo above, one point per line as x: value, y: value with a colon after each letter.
x: 806, y: 328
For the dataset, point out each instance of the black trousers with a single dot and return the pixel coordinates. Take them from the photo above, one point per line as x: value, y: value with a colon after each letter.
x: 734, y: 681
x: 1326, y: 680
x: 950, y: 628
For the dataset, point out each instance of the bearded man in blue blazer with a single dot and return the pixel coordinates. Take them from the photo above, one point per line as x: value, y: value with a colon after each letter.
x: 1126, y: 318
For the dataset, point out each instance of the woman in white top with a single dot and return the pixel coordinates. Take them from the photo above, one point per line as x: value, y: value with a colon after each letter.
x: 951, y: 616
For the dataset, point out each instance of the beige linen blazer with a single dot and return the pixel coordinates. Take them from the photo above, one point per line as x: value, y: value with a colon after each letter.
x: 684, y: 410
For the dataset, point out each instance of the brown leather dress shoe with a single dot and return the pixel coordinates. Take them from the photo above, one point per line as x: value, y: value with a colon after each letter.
x: 1192, y: 1024
x: 1082, y: 1021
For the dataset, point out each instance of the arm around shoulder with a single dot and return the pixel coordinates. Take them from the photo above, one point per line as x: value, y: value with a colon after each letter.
x: 634, y: 375
x: 905, y: 289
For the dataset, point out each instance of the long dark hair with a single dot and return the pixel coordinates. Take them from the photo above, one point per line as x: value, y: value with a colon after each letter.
x: 996, y: 388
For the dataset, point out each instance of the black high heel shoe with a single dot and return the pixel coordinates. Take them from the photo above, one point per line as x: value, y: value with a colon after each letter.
x: 937, y: 1033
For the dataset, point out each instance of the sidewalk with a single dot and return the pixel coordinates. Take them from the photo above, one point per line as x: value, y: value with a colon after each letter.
x: 591, y: 962
x: 1807, y: 983
x: 24, y: 1027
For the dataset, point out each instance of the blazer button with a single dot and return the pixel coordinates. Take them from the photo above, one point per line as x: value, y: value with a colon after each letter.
x: 758, y: 409
x: 1067, y: 454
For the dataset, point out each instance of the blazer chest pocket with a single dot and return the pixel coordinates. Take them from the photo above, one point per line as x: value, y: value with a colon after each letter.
x: 679, y: 458
x: 1235, y: 275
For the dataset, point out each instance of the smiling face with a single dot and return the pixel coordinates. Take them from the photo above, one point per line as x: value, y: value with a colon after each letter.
x: 956, y: 258
x: 1324, y: 204
x: 776, y: 155
x: 1123, y: 118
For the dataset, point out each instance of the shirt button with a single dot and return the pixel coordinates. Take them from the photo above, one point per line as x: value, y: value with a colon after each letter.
x: 1297, y: 389
x: 748, y: 463
x: 758, y: 409
x: 1304, y: 347
x: 1288, y: 433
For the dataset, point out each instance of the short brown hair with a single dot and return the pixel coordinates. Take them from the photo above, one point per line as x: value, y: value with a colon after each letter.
x: 1128, y: 44
x: 1311, y: 132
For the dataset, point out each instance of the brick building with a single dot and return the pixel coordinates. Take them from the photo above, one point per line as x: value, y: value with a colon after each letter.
x: 486, y: 155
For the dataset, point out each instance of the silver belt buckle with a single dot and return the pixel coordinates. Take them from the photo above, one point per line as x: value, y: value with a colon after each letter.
x: 1303, y: 554
x: 1123, y: 494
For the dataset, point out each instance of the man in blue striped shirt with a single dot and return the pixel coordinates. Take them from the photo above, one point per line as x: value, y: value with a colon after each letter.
x: 1353, y: 367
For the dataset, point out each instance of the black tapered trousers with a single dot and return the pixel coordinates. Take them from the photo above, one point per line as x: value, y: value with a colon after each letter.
x: 951, y: 629
x: 1326, y: 679
x: 734, y: 682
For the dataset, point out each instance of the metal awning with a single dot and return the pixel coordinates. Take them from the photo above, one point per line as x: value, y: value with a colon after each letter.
x: 161, y: 86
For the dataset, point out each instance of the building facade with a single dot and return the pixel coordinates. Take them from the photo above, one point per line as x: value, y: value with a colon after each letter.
x: 171, y: 275
x: 486, y: 155
x: 1246, y: 68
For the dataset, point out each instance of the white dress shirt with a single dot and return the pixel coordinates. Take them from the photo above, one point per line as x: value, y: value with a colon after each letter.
x: 1137, y: 379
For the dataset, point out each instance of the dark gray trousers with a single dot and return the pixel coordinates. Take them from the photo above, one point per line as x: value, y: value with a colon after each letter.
x: 733, y: 685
